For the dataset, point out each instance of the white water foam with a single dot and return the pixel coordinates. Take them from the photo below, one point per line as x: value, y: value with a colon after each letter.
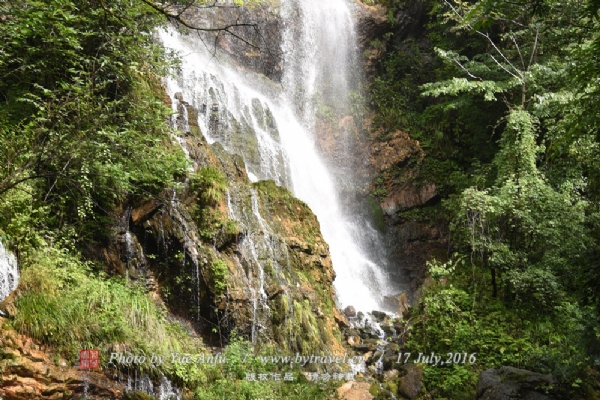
x: 9, y: 272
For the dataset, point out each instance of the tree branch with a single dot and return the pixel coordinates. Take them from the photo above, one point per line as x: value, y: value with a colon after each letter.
x: 485, y: 35
x: 465, y: 69
x: 178, y: 18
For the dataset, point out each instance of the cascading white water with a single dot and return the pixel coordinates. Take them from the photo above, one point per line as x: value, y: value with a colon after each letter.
x: 273, y: 127
x: 164, y: 391
x: 9, y: 272
x: 319, y: 47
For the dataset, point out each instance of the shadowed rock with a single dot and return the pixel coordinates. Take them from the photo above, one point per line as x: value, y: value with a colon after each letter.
x: 508, y: 383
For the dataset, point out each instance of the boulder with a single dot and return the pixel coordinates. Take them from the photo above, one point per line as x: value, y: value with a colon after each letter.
x: 354, y: 391
x: 8, y: 307
x: 508, y: 383
x: 340, y: 319
x: 379, y: 315
x: 390, y: 375
x: 350, y: 312
x: 354, y: 340
x: 411, y: 383
x: 397, y: 302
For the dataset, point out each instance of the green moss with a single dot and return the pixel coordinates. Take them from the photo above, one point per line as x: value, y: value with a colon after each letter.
x: 276, y: 194
x: 392, y: 387
x: 375, y: 389
x: 137, y: 395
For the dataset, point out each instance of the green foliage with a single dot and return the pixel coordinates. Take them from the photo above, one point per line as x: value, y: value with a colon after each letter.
x: 449, y: 319
x: 504, y: 100
x: 438, y: 270
x: 82, y: 118
x: 210, y: 184
x: 64, y: 303
x: 524, y: 226
x: 219, y: 274
x: 227, y: 381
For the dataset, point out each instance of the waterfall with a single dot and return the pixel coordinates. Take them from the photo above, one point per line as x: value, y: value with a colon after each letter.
x: 9, y: 272
x: 272, y: 126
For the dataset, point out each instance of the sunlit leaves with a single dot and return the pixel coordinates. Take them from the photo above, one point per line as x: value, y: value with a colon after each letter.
x: 456, y: 86
x: 82, y: 113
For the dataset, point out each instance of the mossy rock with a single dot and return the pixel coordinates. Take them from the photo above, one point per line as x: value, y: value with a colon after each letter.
x: 392, y: 387
x: 375, y: 389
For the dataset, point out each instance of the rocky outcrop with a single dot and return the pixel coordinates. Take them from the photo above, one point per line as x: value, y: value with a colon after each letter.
x: 508, y: 383
x: 395, y: 161
x: 407, y: 196
x: 371, y: 21
x: 252, y: 38
x: 409, y: 21
x: 252, y: 258
x: 29, y: 373
x: 397, y: 150
x: 398, y: 185
x: 372, y: 24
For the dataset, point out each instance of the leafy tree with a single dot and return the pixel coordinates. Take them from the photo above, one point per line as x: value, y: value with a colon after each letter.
x: 82, y: 118
x: 82, y: 122
x: 509, y: 116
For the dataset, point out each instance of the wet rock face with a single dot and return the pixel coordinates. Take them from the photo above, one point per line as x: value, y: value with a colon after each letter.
x: 398, y: 302
x: 28, y: 373
x: 394, y: 160
x: 417, y: 243
x: 252, y: 258
x: 255, y: 42
x: 372, y: 24
x: 407, y: 196
x: 409, y: 21
x: 398, y: 186
x: 395, y: 151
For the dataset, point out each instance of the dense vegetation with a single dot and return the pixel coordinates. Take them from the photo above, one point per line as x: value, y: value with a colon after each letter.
x: 504, y: 98
x: 83, y: 130
x: 81, y: 124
